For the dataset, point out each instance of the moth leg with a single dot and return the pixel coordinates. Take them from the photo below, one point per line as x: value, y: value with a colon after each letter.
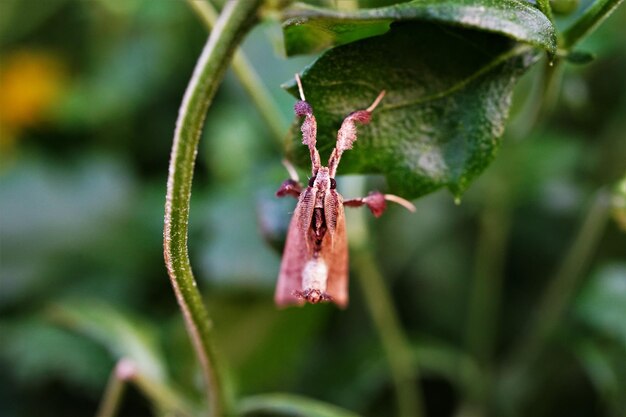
x: 377, y: 202
x: 291, y: 186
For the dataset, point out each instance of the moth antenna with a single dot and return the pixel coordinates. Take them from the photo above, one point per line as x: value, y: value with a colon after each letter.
x: 300, y: 89
x: 399, y: 200
x: 375, y: 103
x: 347, y: 134
x: 308, y: 128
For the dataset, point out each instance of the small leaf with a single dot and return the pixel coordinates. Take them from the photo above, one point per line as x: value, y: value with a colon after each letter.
x: 310, y: 29
x: 290, y: 405
x: 580, y: 57
x: 448, y: 95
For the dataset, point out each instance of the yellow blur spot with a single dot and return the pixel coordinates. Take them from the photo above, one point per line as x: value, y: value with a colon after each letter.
x: 30, y: 82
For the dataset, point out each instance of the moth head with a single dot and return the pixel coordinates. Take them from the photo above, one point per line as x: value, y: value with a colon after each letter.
x: 322, y: 180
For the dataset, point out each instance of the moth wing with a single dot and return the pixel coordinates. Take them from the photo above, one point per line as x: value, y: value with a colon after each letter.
x: 296, y: 252
x: 335, y: 253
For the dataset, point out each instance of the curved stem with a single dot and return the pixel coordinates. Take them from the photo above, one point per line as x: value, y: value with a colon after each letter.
x: 236, y: 18
x: 250, y: 80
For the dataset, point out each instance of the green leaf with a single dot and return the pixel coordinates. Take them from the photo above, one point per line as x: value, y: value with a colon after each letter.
x: 310, y: 29
x: 67, y: 358
x: 290, y: 405
x: 448, y: 95
x: 121, y: 334
x: 127, y: 337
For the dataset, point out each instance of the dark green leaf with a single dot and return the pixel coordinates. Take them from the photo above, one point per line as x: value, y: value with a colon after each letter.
x: 448, y: 95
x: 290, y: 405
x: 310, y: 29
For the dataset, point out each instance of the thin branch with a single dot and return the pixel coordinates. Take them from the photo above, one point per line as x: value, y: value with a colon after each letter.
x: 160, y: 395
x: 555, y: 301
x: 236, y: 18
x: 486, y: 292
x: 250, y: 80
x: 563, y: 285
x: 590, y: 19
x: 114, y: 391
x: 401, y: 358
x: 488, y: 273
x: 404, y: 371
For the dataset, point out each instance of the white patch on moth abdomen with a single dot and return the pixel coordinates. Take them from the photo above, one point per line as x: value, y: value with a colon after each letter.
x: 315, y: 275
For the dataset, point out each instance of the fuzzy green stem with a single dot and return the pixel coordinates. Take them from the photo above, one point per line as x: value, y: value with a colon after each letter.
x: 235, y: 20
x: 590, y: 19
x: 250, y: 80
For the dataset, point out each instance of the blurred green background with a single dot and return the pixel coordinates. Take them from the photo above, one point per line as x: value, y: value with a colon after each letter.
x: 89, y: 95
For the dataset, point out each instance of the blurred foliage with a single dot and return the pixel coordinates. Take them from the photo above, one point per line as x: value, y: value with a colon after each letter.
x: 89, y: 93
